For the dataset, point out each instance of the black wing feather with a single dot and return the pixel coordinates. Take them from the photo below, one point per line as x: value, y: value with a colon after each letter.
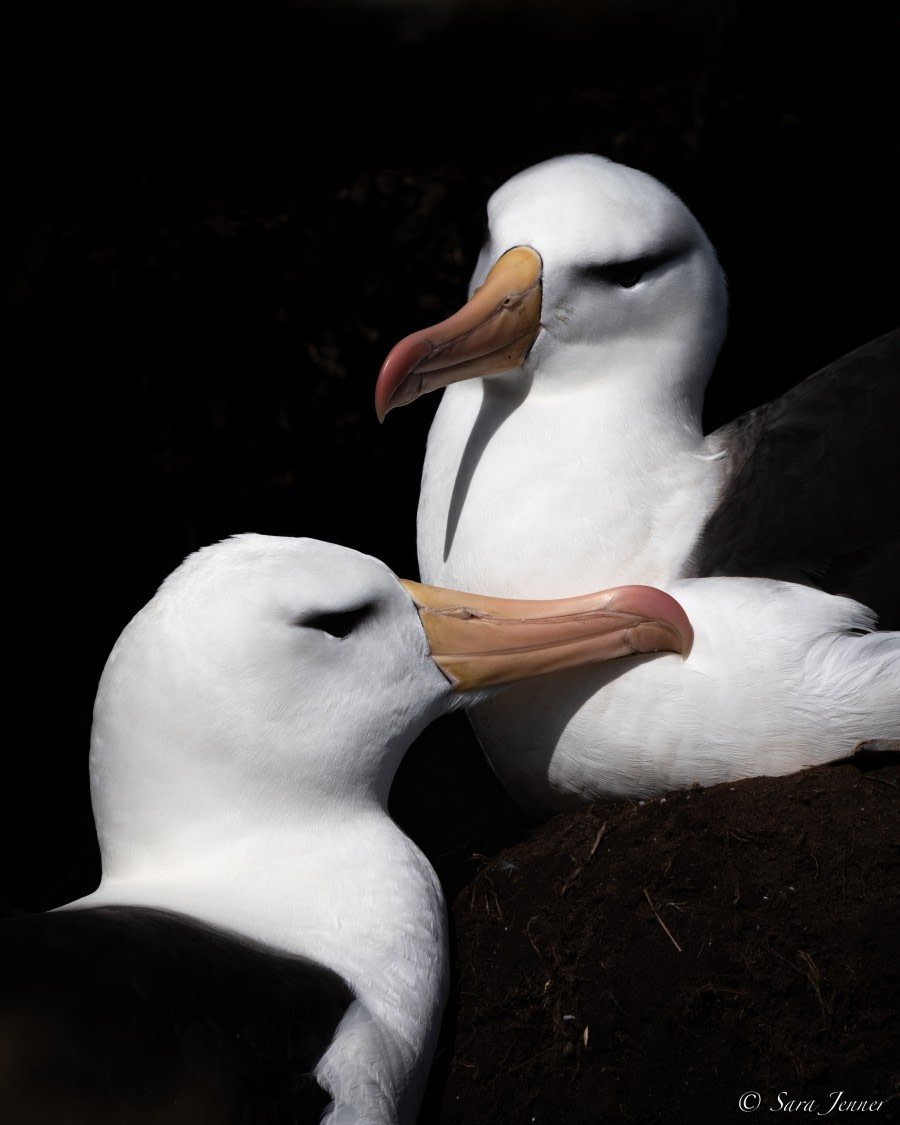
x: 814, y: 489
x: 131, y: 1014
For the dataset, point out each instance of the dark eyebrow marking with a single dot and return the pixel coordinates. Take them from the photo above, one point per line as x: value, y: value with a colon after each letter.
x: 629, y: 271
x: 337, y: 623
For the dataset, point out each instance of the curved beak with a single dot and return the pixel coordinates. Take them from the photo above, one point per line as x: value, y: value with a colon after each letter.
x: 492, y: 332
x: 479, y: 641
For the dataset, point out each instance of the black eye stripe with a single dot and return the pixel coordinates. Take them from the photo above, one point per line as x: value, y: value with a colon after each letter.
x: 624, y: 274
x: 337, y: 624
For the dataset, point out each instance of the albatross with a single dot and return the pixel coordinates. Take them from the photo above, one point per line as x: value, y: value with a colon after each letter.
x: 568, y: 454
x: 265, y: 944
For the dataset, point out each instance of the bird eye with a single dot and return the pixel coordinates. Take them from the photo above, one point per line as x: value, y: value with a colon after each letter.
x: 337, y: 625
x: 627, y: 275
x: 624, y: 274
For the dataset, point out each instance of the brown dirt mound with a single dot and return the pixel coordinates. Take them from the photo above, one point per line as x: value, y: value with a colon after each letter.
x: 654, y: 962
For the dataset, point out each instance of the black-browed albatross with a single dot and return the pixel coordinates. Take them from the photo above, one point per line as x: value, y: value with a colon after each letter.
x: 260, y: 919
x: 568, y: 454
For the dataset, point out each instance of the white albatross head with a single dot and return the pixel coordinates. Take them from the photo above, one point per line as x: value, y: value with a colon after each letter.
x: 590, y: 270
x: 271, y: 678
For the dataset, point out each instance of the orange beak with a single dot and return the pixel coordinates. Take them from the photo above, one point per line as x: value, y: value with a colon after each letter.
x: 492, y: 332
x: 479, y: 641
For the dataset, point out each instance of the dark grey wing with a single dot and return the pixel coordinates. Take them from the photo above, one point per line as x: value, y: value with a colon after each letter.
x: 131, y: 1014
x: 813, y: 493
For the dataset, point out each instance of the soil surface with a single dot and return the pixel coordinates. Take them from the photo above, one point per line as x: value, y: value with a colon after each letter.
x: 660, y: 961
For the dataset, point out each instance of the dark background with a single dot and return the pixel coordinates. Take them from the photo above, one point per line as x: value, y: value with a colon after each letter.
x: 219, y: 218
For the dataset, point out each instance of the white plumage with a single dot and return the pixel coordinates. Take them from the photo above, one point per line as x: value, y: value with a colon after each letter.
x: 260, y: 916
x: 568, y: 454
x: 241, y: 760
